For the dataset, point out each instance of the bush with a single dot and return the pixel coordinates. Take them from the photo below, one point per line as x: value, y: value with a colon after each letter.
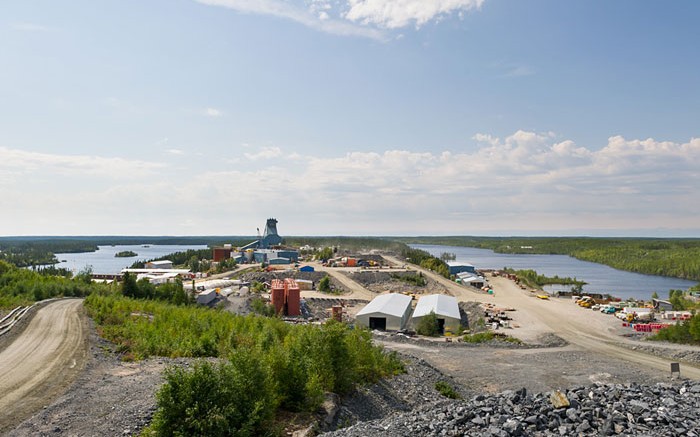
x: 428, y: 325
x: 480, y: 337
x: 447, y: 390
x: 234, y: 398
x: 324, y: 284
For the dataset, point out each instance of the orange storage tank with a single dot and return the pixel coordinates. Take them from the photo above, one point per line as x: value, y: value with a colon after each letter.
x: 292, y: 297
x: 277, y: 295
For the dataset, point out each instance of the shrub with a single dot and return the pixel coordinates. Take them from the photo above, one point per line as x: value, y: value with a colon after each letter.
x: 234, y: 398
x: 428, y: 325
x: 479, y: 337
x: 447, y: 390
x: 324, y: 284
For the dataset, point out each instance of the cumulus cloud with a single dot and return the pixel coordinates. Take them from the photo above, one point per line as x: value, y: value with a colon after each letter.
x: 393, y: 14
x: 264, y: 153
x: 364, y: 18
x: 526, y: 180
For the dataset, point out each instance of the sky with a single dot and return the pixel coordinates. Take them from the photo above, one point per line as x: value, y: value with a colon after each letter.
x: 350, y: 117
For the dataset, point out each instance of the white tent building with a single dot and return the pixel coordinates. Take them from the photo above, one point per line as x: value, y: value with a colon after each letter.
x: 445, y: 308
x: 386, y: 312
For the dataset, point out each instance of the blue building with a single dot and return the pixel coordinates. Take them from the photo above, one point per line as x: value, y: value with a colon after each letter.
x: 459, y: 267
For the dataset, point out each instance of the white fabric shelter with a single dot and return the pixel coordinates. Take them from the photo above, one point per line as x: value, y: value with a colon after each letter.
x: 386, y: 312
x: 445, y: 308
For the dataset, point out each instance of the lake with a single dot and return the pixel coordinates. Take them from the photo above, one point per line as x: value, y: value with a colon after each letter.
x: 103, y: 260
x: 600, y: 278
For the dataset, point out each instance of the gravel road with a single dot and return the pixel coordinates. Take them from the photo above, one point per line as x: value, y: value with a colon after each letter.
x: 43, y: 361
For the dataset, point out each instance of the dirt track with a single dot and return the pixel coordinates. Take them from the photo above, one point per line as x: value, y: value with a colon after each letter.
x: 41, y: 362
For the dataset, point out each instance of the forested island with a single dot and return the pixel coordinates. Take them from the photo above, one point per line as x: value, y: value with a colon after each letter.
x: 125, y: 254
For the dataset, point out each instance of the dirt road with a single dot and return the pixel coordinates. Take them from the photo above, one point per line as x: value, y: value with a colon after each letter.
x: 44, y: 360
x: 357, y: 291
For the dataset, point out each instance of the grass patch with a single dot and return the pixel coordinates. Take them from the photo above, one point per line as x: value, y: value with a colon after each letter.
x: 447, y: 390
x: 483, y: 337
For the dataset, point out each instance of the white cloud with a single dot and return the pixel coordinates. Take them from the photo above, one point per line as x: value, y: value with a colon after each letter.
x: 22, y: 162
x: 264, y: 153
x: 212, y: 112
x: 526, y: 180
x: 393, y: 14
x: 301, y: 13
x: 176, y: 151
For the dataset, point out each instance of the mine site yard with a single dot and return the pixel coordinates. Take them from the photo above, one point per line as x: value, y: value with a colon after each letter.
x: 79, y: 385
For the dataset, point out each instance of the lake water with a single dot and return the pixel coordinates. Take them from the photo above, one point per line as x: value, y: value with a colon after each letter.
x: 103, y: 260
x: 600, y: 278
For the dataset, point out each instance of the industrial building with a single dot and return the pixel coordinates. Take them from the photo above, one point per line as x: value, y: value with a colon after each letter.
x: 159, y: 264
x: 470, y: 279
x: 445, y: 308
x: 460, y: 267
x: 263, y: 250
x: 386, y: 312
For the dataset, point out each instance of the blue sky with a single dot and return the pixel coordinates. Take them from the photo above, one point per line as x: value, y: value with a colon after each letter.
x: 352, y: 117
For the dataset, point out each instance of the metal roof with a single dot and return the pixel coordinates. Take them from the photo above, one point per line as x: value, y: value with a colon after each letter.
x: 459, y: 264
x: 393, y: 304
x: 440, y: 304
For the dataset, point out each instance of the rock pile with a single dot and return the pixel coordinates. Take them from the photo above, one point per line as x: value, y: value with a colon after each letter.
x: 665, y: 409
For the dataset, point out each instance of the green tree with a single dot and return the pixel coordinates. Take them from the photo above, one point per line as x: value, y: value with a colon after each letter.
x: 428, y: 325
x: 654, y: 295
x: 324, y: 284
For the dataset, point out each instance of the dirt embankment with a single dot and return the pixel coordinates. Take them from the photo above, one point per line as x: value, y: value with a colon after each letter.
x: 379, y: 281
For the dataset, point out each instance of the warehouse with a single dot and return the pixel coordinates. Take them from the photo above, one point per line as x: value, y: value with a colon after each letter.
x: 445, y: 308
x: 460, y: 267
x: 386, y: 312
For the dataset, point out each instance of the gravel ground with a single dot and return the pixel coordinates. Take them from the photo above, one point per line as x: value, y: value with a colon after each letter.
x: 383, y: 282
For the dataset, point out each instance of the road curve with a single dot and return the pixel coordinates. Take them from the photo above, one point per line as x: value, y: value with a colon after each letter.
x: 41, y: 362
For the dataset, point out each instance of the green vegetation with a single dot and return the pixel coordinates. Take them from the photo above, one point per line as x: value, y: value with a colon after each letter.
x: 447, y: 390
x: 428, y: 325
x: 172, y: 292
x: 228, y: 398
x: 126, y: 254
x: 676, y: 257
x: 289, y: 367
x: 34, y: 252
x: 532, y: 279
x: 20, y: 286
x: 194, y: 259
x: 324, y: 285
x: 324, y: 254
x: 426, y: 260
x: 447, y: 256
x: 260, y: 307
x: 686, y: 332
x: 486, y: 336
x: 350, y: 244
x: 413, y: 279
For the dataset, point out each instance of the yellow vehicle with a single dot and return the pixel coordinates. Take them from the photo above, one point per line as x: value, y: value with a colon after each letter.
x: 543, y: 296
x: 585, y: 302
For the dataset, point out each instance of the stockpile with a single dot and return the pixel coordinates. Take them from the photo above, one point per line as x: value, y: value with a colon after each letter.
x: 660, y: 410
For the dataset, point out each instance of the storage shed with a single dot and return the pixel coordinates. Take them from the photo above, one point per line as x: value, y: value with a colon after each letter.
x: 306, y: 269
x: 386, y: 312
x: 445, y: 308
